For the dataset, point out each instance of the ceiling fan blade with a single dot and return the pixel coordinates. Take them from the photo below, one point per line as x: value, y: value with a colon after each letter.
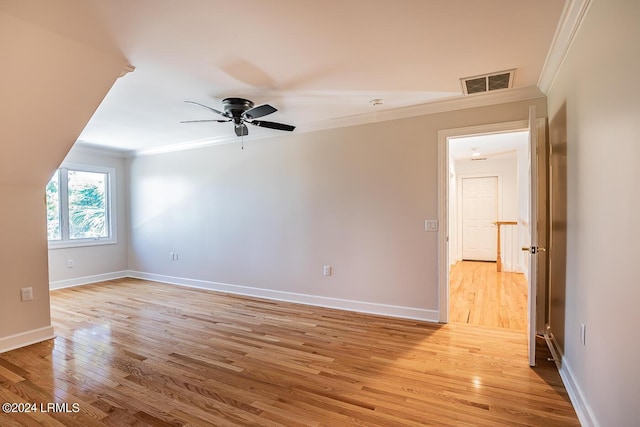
x: 273, y: 125
x: 208, y: 108
x: 198, y: 121
x: 241, y: 130
x: 259, y: 111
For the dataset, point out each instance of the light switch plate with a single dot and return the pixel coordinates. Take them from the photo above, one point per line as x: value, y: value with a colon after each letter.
x: 431, y: 225
x: 26, y: 294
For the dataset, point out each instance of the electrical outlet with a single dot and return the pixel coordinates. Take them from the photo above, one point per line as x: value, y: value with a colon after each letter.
x: 583, y: 334
x: 70, y: 263
x: 26, y: 294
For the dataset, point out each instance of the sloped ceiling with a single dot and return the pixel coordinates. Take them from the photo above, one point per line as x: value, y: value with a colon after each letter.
x: 317, y: 62
x: 51, y: 82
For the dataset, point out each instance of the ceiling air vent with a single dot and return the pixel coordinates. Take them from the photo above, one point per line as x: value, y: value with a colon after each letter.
x: 488, y: 82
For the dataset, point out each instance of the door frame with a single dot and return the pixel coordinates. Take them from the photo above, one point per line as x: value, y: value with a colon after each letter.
x: 443, y: 197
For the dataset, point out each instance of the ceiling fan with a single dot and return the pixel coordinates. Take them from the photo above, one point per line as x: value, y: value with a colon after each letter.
x: 241, y: 111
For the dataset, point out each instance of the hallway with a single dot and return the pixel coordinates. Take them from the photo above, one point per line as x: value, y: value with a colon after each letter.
x: 480, y: 295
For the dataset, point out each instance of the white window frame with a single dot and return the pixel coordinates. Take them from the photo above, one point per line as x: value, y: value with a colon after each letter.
x: 110, y: 203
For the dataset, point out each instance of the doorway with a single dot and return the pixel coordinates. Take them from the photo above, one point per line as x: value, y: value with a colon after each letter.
x: 533, y: 222
x: 471, y: 142
x: 490, y: 191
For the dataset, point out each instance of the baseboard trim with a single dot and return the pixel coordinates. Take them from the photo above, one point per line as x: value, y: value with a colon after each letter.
x: 583, y: 410
x: 24, y: 339
x: 79, y: 281
x: 314, y: 300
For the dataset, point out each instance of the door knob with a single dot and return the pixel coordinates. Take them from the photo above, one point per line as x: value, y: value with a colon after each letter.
x: 534, y: 249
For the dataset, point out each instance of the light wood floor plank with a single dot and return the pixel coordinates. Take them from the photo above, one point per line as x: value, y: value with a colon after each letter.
x: 480, y: 295
x: 134, y: 352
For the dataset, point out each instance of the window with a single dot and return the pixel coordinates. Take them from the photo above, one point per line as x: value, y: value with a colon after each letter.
x: 80, y: 205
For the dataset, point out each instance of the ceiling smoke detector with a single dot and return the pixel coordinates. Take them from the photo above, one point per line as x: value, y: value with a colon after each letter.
x: 488, y: 82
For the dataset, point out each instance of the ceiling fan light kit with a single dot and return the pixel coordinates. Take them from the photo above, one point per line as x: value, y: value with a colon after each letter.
x: 241, y: 111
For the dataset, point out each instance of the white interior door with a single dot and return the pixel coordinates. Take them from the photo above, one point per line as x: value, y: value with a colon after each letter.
x: 479, y: 212
x: 533, y: 233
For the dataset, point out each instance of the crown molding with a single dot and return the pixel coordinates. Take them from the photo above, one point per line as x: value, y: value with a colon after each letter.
x: 198, y: 143
x: 440, y: 106
x: 570, y: 20
x: 88, y: 148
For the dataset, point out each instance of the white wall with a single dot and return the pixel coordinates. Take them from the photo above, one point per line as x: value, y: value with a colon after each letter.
x: 270, y: 216
x: 100, y: 262
x: 597, y: 88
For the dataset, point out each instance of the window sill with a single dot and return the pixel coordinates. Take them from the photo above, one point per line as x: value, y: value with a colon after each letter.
x: 81, y: 243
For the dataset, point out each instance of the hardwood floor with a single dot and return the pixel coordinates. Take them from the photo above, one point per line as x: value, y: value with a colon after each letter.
x: 134, y: 352
x: 480, y: 295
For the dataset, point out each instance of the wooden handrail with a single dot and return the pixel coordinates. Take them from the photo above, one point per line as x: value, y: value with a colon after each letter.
x: 499, y: 254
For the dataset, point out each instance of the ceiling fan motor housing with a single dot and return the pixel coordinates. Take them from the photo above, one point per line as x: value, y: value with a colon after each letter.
x: 241, y: 111
x: 236, y: 106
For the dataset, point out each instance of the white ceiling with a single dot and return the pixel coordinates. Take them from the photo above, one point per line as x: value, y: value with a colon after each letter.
x: 317, y: 62
x: 488, y: 146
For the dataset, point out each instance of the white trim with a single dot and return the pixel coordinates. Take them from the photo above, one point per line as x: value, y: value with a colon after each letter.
x: 570, y: 20
x: 197, y: 143
x: 443, y: 219
x: 443, y: 196
x: 402, y: 312
x: 338, y: 303
x: 83, y: 147
x: 585, y: 415
x: 86, y: 280
x: 24, y: 339
x: 110, y: 195
x: 315, y: 300
x: 439, y: 106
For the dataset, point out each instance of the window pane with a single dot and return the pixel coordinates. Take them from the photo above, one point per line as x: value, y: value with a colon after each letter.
x: 53, y: 207
x: 87, y: 207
